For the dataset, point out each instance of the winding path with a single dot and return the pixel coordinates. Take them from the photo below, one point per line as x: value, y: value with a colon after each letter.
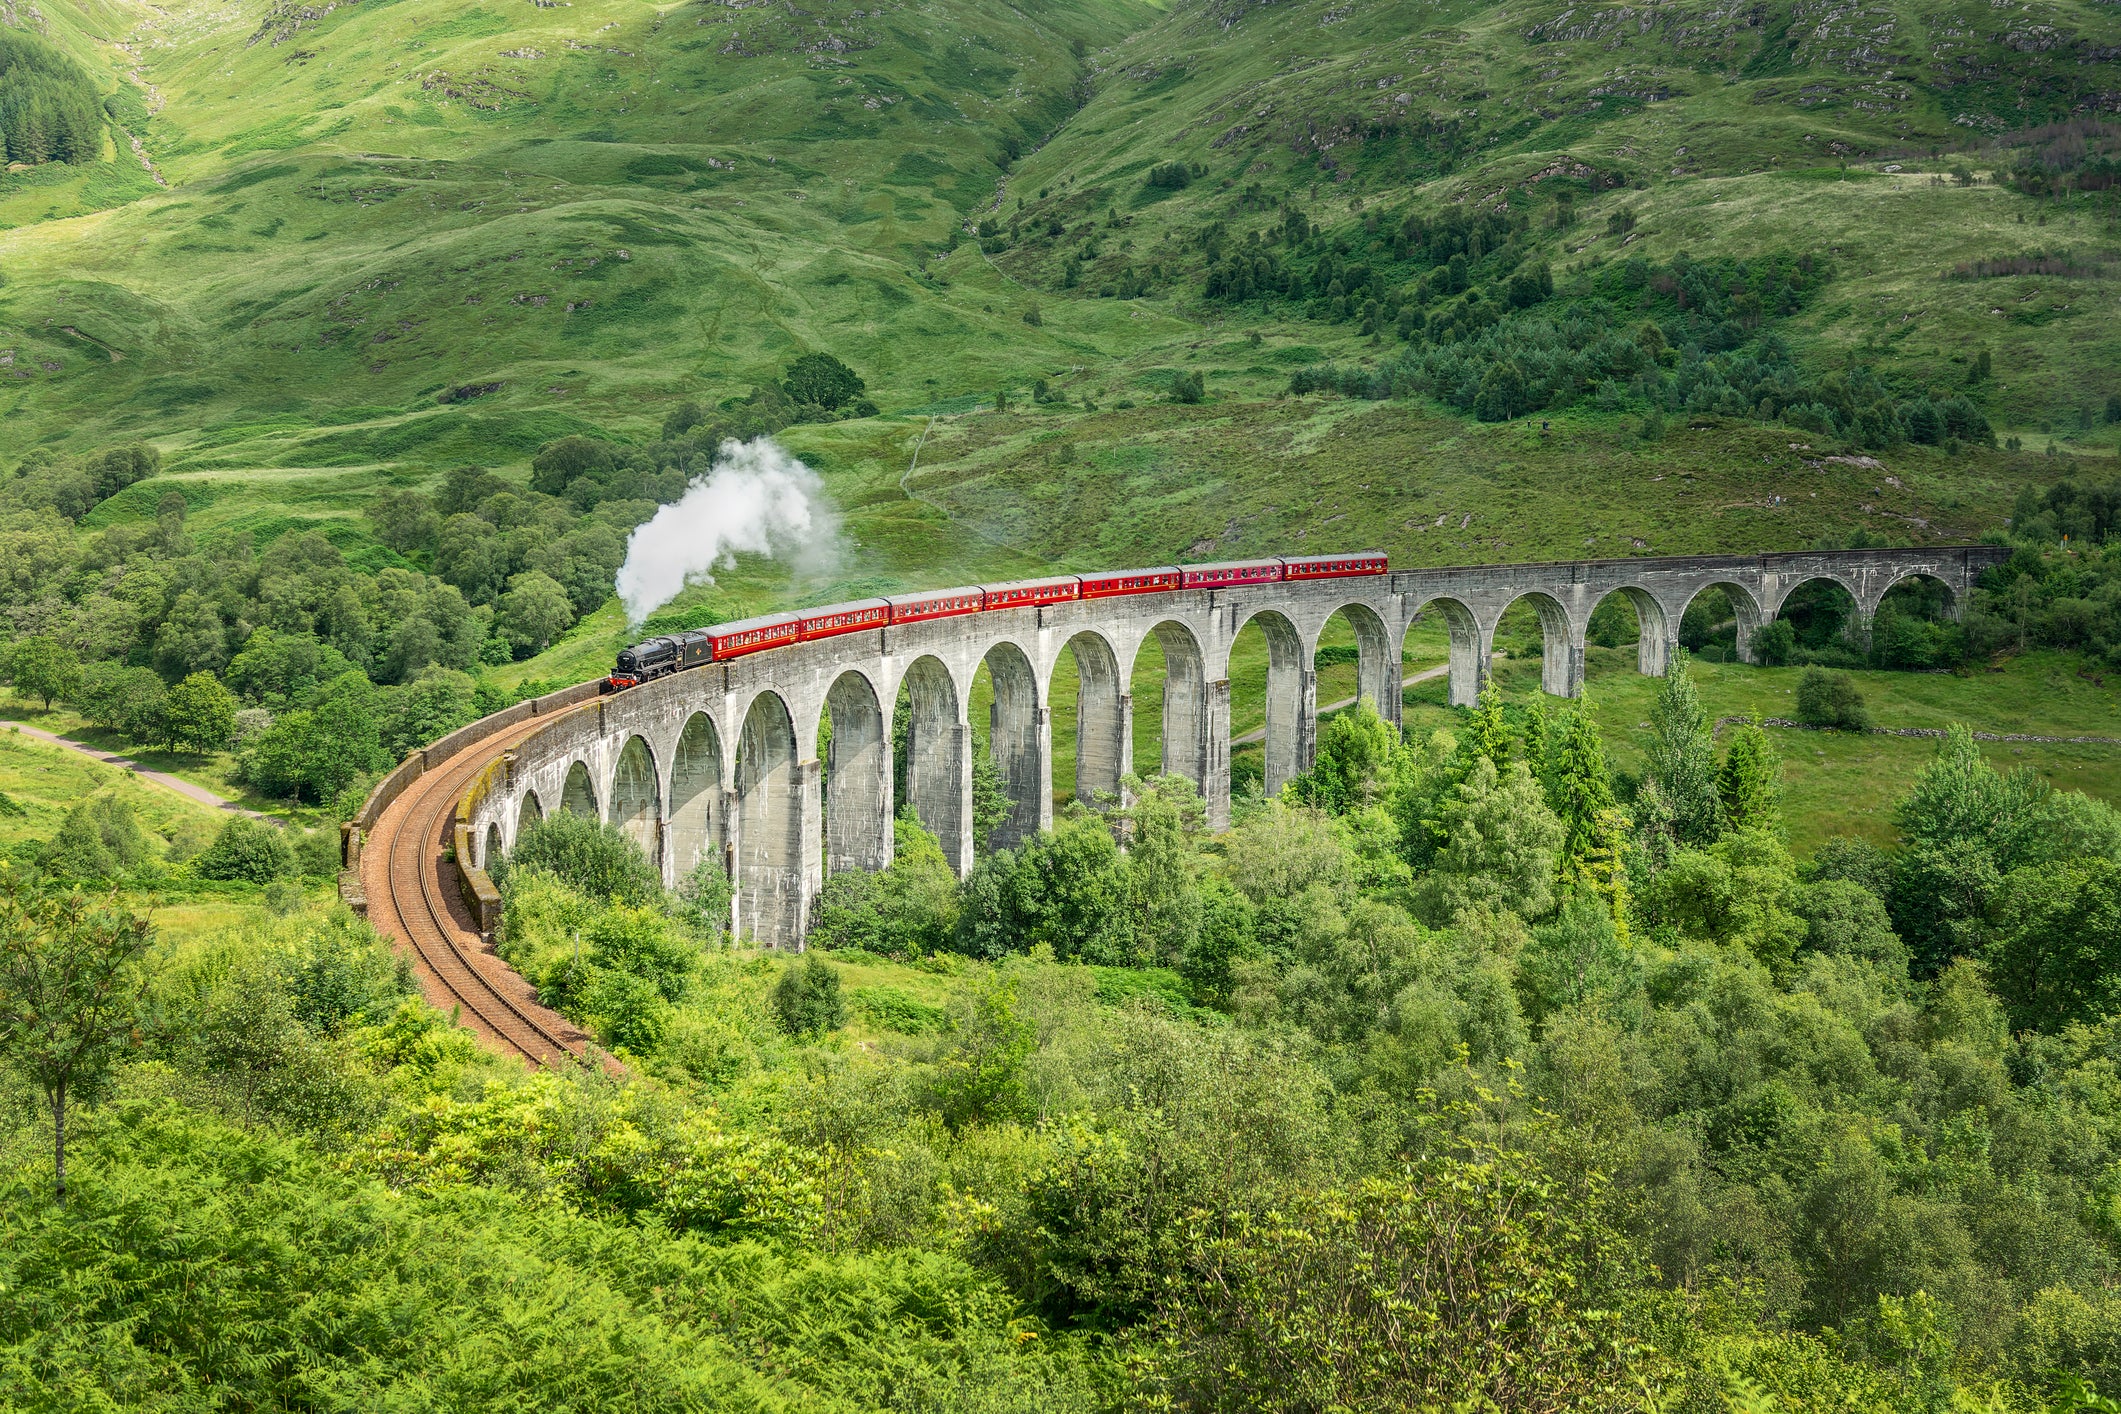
x: 178, y: 784
x: 415, y: 898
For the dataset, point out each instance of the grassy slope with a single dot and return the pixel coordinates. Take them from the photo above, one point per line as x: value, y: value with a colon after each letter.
x: 371, y: 207
x: 48, y: 781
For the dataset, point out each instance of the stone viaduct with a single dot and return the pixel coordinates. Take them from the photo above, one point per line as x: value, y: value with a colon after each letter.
x: 722, y: 760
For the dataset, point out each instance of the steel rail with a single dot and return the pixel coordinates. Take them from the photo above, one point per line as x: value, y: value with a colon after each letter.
x: 417, y: 908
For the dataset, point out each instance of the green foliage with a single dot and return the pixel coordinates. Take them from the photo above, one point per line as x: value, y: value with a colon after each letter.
x: 199, y: 714
x: 909, y: 909
x: 1680, y: 801
x: 1358, y: 762
x: 593, y: 857
x: 2055, y: 956
x: 1831, y: 699
x: 44, y: 668
x: 1455, y: 1280
x: 821, y: 380
x: 1065, y: 890
x: 807, y: 999
x: 1500, y: 847
x: 246, y: 850
x: 1749, y: 782
x: 49, y: 110
x: 100, y: 839
x: 316, y: 752
x: 70, y: 996
x: 980, y: 1072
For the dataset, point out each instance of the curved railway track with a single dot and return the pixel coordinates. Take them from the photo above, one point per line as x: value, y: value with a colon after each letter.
x: 413, y: 896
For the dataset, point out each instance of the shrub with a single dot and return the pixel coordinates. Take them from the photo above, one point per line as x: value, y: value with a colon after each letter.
x: 807, y: 1000
x: 1829, y: 699
x: 1774, y: 644
x: 248, y: 851
x: 591, y: 856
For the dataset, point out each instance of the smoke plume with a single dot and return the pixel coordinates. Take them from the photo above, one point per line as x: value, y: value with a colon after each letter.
x: 756, y: 498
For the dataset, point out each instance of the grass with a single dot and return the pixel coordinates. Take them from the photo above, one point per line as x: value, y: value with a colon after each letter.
x: 46, y: 782
x: 216, y: 771
x: 1838, y: 783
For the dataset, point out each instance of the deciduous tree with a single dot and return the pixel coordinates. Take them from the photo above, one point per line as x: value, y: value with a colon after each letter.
x: 70, y: 990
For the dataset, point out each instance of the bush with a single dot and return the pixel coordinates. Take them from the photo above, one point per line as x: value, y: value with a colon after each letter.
x: 592, y: 857
x: 1829, y: 699
x: 1774, y: 644
x: 246, y: 851
x: 807, y: 1000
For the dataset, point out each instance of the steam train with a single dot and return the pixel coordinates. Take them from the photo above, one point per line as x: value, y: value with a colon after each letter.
x: 671, y: 653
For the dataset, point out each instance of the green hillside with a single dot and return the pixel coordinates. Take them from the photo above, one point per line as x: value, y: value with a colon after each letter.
x: 411, y: 235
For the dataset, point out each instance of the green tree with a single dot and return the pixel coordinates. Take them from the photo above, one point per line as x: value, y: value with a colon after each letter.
x: 2055, y: 956
x: 907, y: 909
x: 405, y: 521
x: 535, y: 611
x: 593, y: 857
x: 44, y: 668
x: 1489, y: 734
x: 1579, y: 787
x: 1162, y: 825
x: 560, y: 463
x: 822, y: 380
x: 1460, y: 1281
x: 200, y: 714
x: 1065, y: 889
x: 1749, y: 782
x: 1357, y: 764
x: 807, y: 1000
x: 248, y: 851
x: 980, y: 1074
x: 70, y: 995
x: 98, y: 838
x: 192, y: 639
x: 1831, y: 699
x: 430, y: 707
x: 1682, y: 761
x: 1499, y: 851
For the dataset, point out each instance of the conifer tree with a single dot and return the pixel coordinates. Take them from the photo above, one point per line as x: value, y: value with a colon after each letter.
x: 1682, y: 759
x: 1749, y: 783
x: 1579, y: 787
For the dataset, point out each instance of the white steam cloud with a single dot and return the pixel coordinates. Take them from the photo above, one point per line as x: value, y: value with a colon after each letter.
x: 756, y: 499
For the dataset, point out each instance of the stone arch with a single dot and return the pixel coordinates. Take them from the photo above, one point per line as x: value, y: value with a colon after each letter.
x: 1104, y: 718
x: 1289, y: 737
x: 1802, y: 596
x: 857, y: 778
x: 696, y: 829
x: 1954, y: 601
x: 1745, y: 609
x: 1655, y: 634
x: 528, y: 813
x: 1469, y: 658
x: 938, y: 758
x: 636, y: 798
x: 1185, y: 703
x: 491, y: 849
x: 769, y: 825
x: 1376, y: 670
x: 1016, y: 740
x: 1561, y: 657
x: 579, y: 796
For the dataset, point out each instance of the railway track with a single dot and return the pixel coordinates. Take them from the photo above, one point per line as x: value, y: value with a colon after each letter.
x: 414, y: 897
